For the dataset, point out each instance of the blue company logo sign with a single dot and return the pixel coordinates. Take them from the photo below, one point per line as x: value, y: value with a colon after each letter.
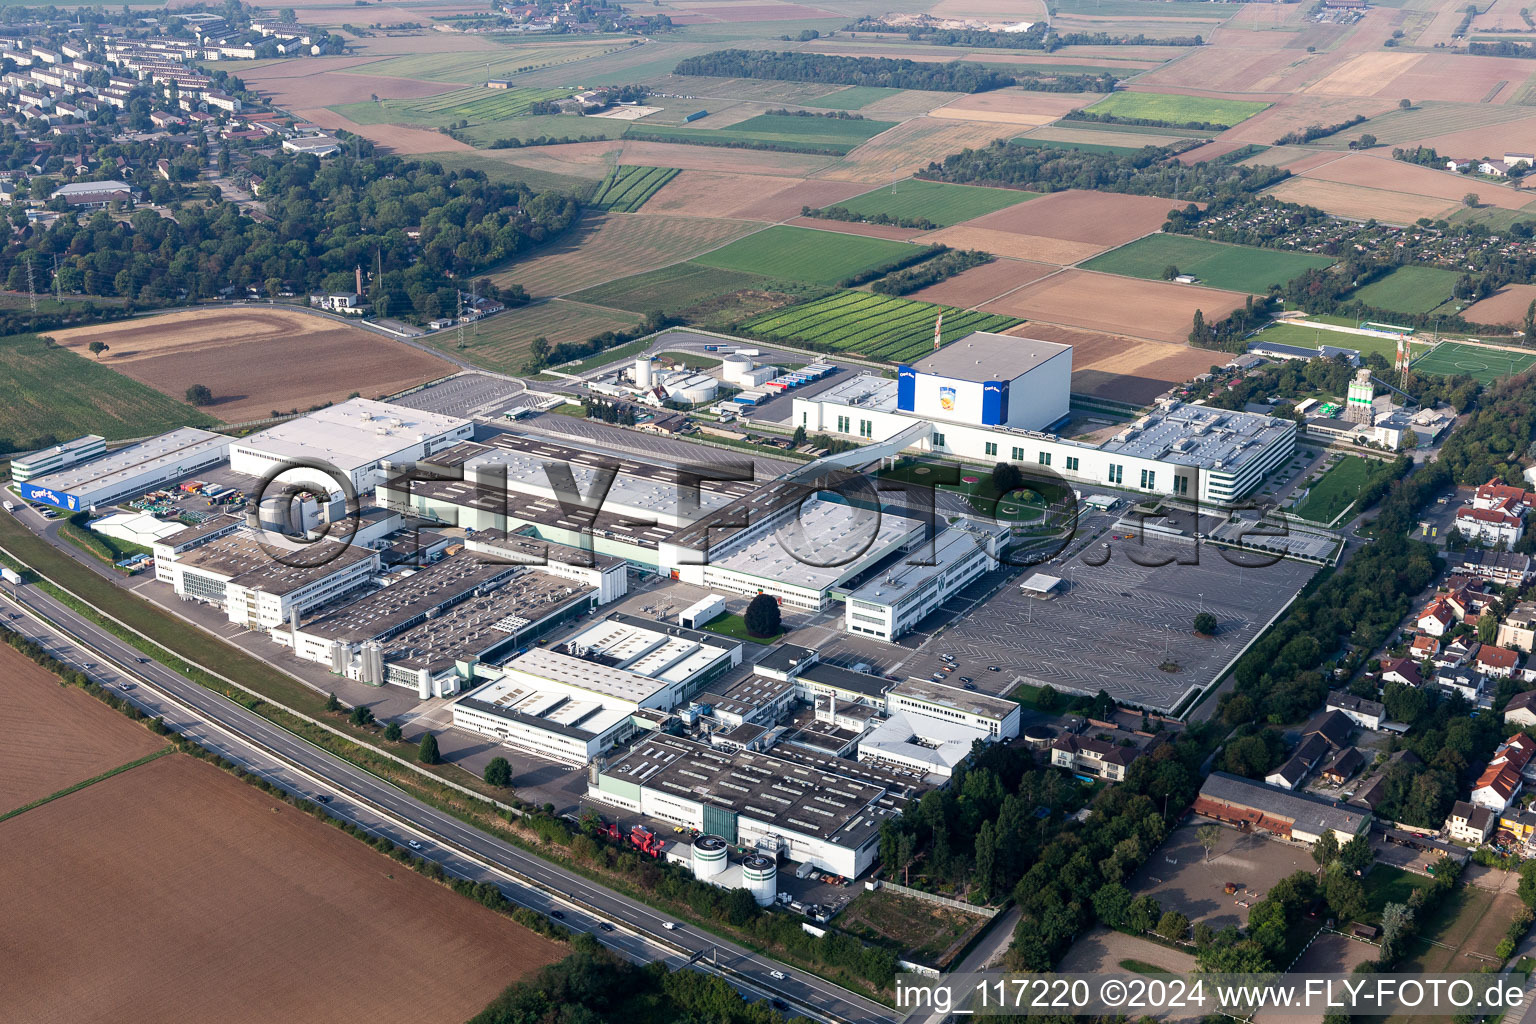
x: 58, y: 499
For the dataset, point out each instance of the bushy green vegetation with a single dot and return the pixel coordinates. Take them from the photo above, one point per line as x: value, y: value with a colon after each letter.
x: 940, y: 268
x: 1342, y: 484
x: 1216, y: 264
x: 49, y: 394
x: 935, y: 202
x: 804, y: 254
x: 1409, y: 289
x: 786, y: 132
x: 628, y: 187
x: 1175, y: 109
x: 875, y: 326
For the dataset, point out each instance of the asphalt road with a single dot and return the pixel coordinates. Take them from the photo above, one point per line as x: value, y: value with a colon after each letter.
x: 357, y: 796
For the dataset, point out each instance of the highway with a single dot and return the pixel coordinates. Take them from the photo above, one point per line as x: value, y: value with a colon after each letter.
x: 359, y: 797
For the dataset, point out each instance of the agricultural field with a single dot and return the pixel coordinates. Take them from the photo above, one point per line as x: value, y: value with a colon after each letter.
x: 1154, y: 310
x: 476, y: 67
x: 69, y: 737
x: 764, y: 197
x: 926, y: 932
x: 1409, y: 289
x: 1062, y: 228
x: 803, y: 254
x: 256, y: 359
x: 476, y: 105
x: 602, y: 249
x: 1216, y: 264
x: 981, y: 284
x: 47, y: 389
x: 1031, y: 142
x: 485, y: 134
x: 1450, y: 358
x: 874, y: 326
x: 941, y: 203
x: 1118, y: 367
x: 501, y: 342
x: 814, y: 134
x: 909, y: 148
x: 1359, y: 202
x: 628, y: 187
x: 673, y: 288
x: 1506, y: 307
x: 852, y: 97
x: 165, y: 843
x: 1339, y: 486
x: 1177, y: 109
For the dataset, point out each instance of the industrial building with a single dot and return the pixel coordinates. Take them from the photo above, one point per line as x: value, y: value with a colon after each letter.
x: 27, y: 465
x: 129, y: 471
x: 969, y: 413
x: 580, y: 699
x: 352, y: 440
x: 749, y: 799
x: 890, y: 605
x: 1253, y: 805
x: 995, y: 717
x: 607, y: 575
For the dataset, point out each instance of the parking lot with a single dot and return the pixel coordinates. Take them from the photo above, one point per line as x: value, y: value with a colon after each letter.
x: 1181, y: 877
x: 473, y: 396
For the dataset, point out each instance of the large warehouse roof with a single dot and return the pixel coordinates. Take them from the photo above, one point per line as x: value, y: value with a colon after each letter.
x: 982, y: 355
x: 351, y: 435
x: 1310, y: 813
x: 183, y: 445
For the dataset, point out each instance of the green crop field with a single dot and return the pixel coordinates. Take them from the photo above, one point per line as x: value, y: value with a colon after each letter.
x: 46, y: 389
x: 477, y: 105
x: 1451, y: 358
x: 502, y: 343
x: 671, y: 288
x: 1177, y: 109
x: 874, y: 326
x: 818, y: 134
x: 1131, y: 129
x: 1239, y: 268
x: 938, y: 202
x: 851, y: 98
x: 628, y: 187
x: 1087, y: 147
x: 1409, y: 289
x: 1339, y: 486
x: 804, y: 254
x: 1138, y: 9
x: 476, y: 67
x: 1308, y: 336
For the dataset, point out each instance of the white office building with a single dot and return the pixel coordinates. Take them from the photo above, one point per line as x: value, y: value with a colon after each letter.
x: 891, y: 604
x: 997, y: 719
x: 27, y: 465
x: 128, y: 472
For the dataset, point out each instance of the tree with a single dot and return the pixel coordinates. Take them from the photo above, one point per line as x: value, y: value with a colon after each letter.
x: 1112, y: 904
x: 498, y: 772
x: 1209, y: 837
x: 1326, y: 850
x: 1170, y: 272
x: 1006, y: 477
x: 1528, y: 326
x: 538, y: 350
x: 1366, y: 141
x: 1357, y: 855
x: 762, y: 618
x: 1205, y: 624
x: 428, y: 753
x: 361, y: 715
x: 798, y: 438
x: 97, y: 348
x: 1405, y: 104
x: 331, y: 703
x: 200, y: 394
x: 1396, y: 922
x: 986, y: 859
x: 1143, y: 914
x: 392, y: 732
x: 1173, y: 926
x: 1470, y: 200
x: 1487, y: 629
x: 1345, y: 895
x: 1047, y: 699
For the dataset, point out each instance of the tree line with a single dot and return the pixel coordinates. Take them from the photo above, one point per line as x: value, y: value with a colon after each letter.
x: 886, y: 72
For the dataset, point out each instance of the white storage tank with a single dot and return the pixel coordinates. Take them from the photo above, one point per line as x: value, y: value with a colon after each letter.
x: 709, y: 856
x: 693, y: 389
x: 733, y: 366
x: 760, y: 877
x: 643, y: 372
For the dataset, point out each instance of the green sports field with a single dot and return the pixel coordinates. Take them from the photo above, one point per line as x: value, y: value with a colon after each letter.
x: 1307, y: 336
x: 1450, y: 358
x: 1177, y: 109
x: 851, y: 98
x: 804, y: 254
x: 817, y: 134
x: 1239, y: 268
x: 628, y: 187
x: 46, y: 389
x: 478, y: 105
x: 1409, y: 289
x: 874, y: 326
x: 938, y: 202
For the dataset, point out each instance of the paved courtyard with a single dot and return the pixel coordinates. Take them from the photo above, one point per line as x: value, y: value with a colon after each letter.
x: 1180, y: 877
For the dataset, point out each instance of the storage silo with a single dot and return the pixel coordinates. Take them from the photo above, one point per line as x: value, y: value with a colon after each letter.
x: 709, y: 856
x: 643, y: 372
x: 760, y: 877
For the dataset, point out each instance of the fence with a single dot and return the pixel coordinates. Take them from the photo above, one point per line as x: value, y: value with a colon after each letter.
x: 943, y: 901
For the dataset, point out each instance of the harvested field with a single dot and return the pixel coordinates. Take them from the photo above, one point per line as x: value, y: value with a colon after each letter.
x: 1364, y: 74
x: 1063, y: 227
x: 256, y: 360
x: 984, y: 283
x: 801, y: 254
x: 723, y: 194
x: 816, y: 134
x: 910, y: 147
x: 707, y: 158
x: 788, y: 203
x: 1390, y: 175
x: 1293, y: 158
x: 1119, y: 368
x: 316, y: 81
x: 1298, y: 112
x: 501, y: 343
x: 1504, y: 308
x: 1064, y: 131
x: 1155, y: 310
x: 734, y: 13
x: 391, y: 138
x: 850, y: 227
x: 1447, y: 77
x: 1209, y: 151
x: 1006, y: 104
x: 1274, y: 69
x: 166, y: 843
x: 1013, y: 244
x: 1360, y: 203
x: 61, y: 735
x: 1461, y: 128
x: 476, y: 66
x: 602, y: 249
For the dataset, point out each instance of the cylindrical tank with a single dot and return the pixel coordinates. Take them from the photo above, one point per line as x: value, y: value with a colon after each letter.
x: 1039, y: 736
x: 709, y: 856
x: 643, y: 372
x: 760, y: 876
x: 702, y: 390
x: 732, y: 367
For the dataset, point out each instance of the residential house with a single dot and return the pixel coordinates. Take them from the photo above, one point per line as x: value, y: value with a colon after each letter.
x: 1505, y: 568
x: 1518, y: 630
x: 1456, y: 654
x: 1497, y: 514
x: 1367, y: 714
x: 1401, y: 670
x: 1437, y: 618
x: 1425, y: 648
x: 1334, y: 727
x: 1105, y: 759
x: 1504, y: 776
x: 1469, y: 823
x: 1521, y: 710
x: 1343, y: 767
x: 1497, y: 662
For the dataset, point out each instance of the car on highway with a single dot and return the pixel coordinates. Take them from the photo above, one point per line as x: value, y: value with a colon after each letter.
x: 413, y: 844
x: 777, y: 975
x: 558, y: 915
x: 125, y: 686
x: 605, y: 926
x: 779, y: 1004
x: 670, y: 926
x: 324, y: 798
